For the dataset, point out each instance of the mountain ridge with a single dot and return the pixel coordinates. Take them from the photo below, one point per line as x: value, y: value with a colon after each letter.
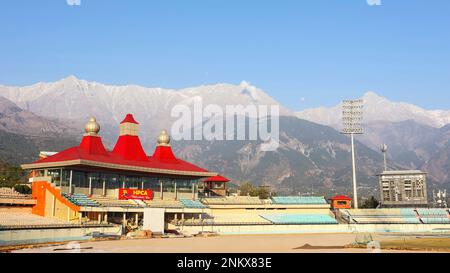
x: 373, y: 103
x: 411, y: 139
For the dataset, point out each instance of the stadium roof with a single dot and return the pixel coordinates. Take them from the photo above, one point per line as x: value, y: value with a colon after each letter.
x: 217, y: 178
x: 402, y: 172
x: 127, y: 155
x: 340, y: 197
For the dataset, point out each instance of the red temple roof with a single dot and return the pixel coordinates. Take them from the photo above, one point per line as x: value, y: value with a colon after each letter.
x: 164, y: 154
x: 217, y: 178
x: 130, y: 148
x: 127, y: 154
x: 340, y: 197
x: 93, y: 145
x: 129, y: 118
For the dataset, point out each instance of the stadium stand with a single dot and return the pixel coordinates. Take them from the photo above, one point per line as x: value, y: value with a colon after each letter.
x: 81, y: 200
x: 106, y: 201
x: 299, y: 200
x: 436, y: 220
x: 11, y: 193
x: 26, y: 219
x: 232, y: 200
x: 140, y: 203
x: 441, y: 213
x: 192, y: 204
x: 382, y: 216
x: 236, y: 219
x: 434, y: 216
x: 299, y: 219
x: 165, y: 203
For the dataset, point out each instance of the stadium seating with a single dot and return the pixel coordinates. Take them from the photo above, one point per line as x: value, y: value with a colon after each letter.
x: 443, y: 213
x: 299, y: 200
x: 26, y: 219
x: 436, y: 220
x: 11, y: 193
x: 299, y: 219
x: 232, y: 200
x: 165, y: 203
x: 382, y: 216
x: 106, y: 201
x: 235, y: 219
x: 192, y: 204
x: 386, y: 220
x: 408, y: 212
x: 81, y: 200
x: 140, y: 203
x: 434, y: 216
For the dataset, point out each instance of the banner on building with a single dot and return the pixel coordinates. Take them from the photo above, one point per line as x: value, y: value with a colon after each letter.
x: 126, y: 194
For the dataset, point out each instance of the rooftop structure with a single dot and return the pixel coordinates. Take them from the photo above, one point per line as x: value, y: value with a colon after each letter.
x: 128, y: 154
x: 216, y: 185
x: 341, y: 202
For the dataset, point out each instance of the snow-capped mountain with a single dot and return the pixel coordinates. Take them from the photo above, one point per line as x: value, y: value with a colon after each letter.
x: 72, y: 98
x: 377, y: 108
x: 75, y: 99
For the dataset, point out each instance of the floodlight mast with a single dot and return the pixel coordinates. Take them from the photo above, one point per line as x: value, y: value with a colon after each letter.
x: 384, y: 149
x: 352, y: 116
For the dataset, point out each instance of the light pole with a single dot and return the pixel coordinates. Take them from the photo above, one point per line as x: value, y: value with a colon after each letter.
x: 352, y: 117
x: 384, y: 149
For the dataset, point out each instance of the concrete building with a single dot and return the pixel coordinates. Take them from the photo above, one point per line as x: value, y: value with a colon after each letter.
x: 405, y: 188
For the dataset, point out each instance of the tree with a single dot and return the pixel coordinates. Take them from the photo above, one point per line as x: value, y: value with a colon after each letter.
x: 10, y: 175
x: 23, y: 189
x: 246, y: 188
x: 263, y: 193
x: 370, y: 203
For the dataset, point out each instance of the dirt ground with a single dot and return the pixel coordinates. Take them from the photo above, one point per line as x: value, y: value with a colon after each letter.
x: 289, y: 243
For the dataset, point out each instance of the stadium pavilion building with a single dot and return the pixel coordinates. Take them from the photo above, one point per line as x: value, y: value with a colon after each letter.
x: 89, y: 182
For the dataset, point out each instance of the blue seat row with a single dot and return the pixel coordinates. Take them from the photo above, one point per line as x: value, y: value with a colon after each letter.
x: 299, y: 200
x: 434, y: 212
x: 436, y: 220
x: 408, y: 212
x: 193, y: 204
x: 299, y: 219
x: 81, y: 200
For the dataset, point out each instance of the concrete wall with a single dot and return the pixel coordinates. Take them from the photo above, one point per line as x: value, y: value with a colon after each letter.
x: 54, y: 208
x: 31, y: 236
x: 298, y: 229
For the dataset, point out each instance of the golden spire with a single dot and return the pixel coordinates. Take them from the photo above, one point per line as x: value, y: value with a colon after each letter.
x: 92, y: 127
x: 163, y: 139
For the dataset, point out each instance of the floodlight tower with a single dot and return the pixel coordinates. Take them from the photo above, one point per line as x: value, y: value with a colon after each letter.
x: 384, y: 149
x: 352, y: 117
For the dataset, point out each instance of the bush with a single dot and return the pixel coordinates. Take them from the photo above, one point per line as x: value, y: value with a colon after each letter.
x: 371, y: 203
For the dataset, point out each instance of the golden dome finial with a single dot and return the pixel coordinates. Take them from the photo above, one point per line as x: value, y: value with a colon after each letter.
x: 163, y: 139
x: 92, y: 127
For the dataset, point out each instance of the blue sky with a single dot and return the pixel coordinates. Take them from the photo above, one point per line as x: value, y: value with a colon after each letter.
x: 319, y: 50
